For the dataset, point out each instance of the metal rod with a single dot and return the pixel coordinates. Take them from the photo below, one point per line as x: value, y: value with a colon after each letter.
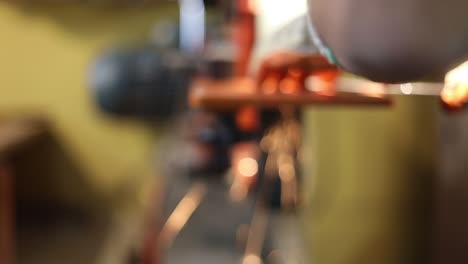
x: 257, y: 234
x: 181, y: 214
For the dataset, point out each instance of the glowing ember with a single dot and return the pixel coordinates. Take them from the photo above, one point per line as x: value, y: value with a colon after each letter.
x: 455, y: 92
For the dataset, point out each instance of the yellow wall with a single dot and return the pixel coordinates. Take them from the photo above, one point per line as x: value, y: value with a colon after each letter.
x: 44, y: 55
x: 369, y: 175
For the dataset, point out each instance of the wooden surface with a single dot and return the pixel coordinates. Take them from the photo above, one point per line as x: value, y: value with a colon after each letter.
x: 6, y: 215
x: 237, y: 92
x: 15, y: 133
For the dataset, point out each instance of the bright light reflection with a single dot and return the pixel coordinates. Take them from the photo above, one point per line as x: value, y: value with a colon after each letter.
x: 406, y: 88
x: 248, y: 167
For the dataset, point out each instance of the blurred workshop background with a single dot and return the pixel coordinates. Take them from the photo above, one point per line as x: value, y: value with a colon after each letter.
x: 379, y: 184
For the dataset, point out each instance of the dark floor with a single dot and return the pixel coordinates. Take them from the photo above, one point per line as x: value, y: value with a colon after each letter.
x: 52, y: 237
x: 211, y: 235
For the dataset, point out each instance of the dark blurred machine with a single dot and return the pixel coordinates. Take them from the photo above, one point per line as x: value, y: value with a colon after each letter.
x: 149, y: 83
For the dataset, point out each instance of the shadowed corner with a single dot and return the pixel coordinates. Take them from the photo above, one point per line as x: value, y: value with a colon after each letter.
x: 55, y: 204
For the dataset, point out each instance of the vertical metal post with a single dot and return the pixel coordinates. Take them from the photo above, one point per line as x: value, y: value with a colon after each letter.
x: 192, y: 26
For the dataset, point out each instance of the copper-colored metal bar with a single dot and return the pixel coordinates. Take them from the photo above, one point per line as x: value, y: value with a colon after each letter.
x: 237, y: 92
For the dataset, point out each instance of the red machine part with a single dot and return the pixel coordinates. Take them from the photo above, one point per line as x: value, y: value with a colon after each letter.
x: 243, y: 35
x: 247, y: 118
